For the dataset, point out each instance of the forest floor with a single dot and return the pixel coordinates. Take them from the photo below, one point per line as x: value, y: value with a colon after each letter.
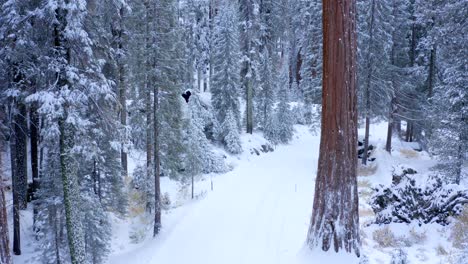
x: 259, y: 212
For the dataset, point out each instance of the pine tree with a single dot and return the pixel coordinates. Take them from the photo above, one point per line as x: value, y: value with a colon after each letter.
x: 374, y: 62
x: 449, y: 139
x: 398, y: 61
x: 197, y: 140
x: 248, y: 46
x: 283, y: 111
x: 311, y: 50
x: 335, y: 220
x: 225, y: 83
x: 231, y: 133
x: 265, y: 96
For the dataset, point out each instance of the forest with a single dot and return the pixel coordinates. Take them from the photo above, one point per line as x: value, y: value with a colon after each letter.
x: 233, y: 131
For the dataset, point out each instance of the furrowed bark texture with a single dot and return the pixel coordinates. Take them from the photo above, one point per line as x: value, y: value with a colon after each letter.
x: 335, y: 220
x: 5, y: 256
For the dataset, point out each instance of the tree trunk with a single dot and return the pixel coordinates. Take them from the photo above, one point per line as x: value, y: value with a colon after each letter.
x: 388, y: 145
x: 148, y: 87
x: 4, y: 236
x: 246, y: 70
x: 368, y: 83
x: 335, y: 218
x: 69, y: 175
x: 18, y: 153
x: 249, y: 109
x: 431, y: 76
x: 68, y: 166
x: 393, y: 100
x: 157, y: 161
x: 16, y: 205
x: 34, y: 139
x: 409, y: 127
x: 122, y: 90
x: 21, y: 155
x: 366, y: 141
x: 193, y: 186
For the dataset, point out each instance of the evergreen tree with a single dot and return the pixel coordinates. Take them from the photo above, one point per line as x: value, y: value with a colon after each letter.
x: 249, y: 28
x: 225, y: 83
x: 311, y: 50
x: 197, y: 140
x: 285, y: 118
x: 449, y: 140
x: 230, y: 134
x: 375, y: 43
x: 265, y: 95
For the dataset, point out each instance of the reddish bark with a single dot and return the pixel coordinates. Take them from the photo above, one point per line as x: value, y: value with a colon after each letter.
x: 335, y: 219
x: 5, y: 256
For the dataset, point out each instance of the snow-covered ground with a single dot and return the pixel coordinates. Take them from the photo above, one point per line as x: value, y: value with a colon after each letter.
x: 259, y: 212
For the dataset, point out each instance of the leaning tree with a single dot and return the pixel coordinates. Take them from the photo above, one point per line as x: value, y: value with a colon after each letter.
x: 335, y: 220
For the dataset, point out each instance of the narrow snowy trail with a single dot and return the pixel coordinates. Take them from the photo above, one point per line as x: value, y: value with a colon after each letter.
x: 258, y: 213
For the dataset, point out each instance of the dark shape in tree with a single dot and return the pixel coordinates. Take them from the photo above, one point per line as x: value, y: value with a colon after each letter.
x: 335, y: 220
x: 186, y: 96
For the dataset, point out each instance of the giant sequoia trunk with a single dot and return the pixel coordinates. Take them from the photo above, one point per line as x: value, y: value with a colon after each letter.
x: 335, y: 220
x: 4, y: 237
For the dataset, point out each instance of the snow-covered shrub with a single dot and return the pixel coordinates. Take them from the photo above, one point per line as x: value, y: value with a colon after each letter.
x: 364, y: 260
x: 459, y: 234
x: 440, y: 250
x: 399, y: 256
x: 417, y: 237
x: 384, y: 237
x: 298, y: 113
x: 412, y: 197
x: 165, y: 201
x: 144, y: 185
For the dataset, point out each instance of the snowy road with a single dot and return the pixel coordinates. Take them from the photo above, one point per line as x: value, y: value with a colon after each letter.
x: 258, y: 213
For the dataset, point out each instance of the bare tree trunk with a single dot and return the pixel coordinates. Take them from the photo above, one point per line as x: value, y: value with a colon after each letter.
x: 431, y: 76
x: 157, y: 168
x: 16, y: 206
x: 148, y: 88
x: 193, y: 186
x: 388, y: 145
x: 249, y: 106
x: 5, y: 256
x: 199, y: 81
x: 335, y: 218
x: 409, y: 127
x: 393, y: 101
x: 34, y: 139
